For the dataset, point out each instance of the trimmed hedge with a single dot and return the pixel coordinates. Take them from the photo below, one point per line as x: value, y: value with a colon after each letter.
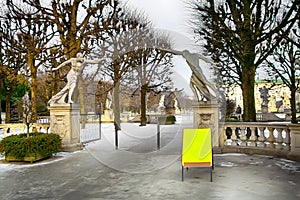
x: 171, y: 119
x: 34, y: 144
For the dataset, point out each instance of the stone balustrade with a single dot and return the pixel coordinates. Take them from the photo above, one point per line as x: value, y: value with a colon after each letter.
x: 274, y: 139
x: 18, y: 128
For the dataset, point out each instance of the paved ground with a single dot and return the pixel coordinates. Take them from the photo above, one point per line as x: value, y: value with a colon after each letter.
x: 138, y: 171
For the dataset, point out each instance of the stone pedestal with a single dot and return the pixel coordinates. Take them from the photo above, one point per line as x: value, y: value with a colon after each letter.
x: 264, y: 109
x: 206, y: 115
x: 295, y: 138
x: 65, y: 122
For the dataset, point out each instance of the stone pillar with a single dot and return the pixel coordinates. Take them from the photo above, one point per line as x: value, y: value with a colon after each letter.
x: 295, y: 140
x: 65, y: 122
x: 206, y: 115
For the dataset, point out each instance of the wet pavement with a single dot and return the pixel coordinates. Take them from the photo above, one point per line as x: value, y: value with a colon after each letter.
x: 137, y: 170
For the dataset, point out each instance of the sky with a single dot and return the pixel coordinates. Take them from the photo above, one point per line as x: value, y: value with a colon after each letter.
x: 165, y: 14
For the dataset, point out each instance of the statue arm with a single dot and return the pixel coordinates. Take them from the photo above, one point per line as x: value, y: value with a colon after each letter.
x: 61, y: 65
x: 205, y: 59
x: 173, y: 51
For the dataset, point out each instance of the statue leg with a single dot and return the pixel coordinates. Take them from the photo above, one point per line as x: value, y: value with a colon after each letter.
x: 206, y: 84
x: 71, y: 90
x: 192, y: 86
x: 59, y: 97
x: 201, y: 88
x: 62, y: 98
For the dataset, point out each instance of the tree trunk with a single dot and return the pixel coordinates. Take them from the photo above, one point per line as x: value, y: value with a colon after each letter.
x: 7, y: 105
x: 81, y: 93
x: 34, y: 83
x: 293, y: 105
x: 116, y: 105
x: 248, y: 72
x: 143, y: 105
x: 248, y: 83
x: 293, y: 86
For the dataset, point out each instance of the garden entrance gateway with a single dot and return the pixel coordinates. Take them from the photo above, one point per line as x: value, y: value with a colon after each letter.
x: 65, y: 116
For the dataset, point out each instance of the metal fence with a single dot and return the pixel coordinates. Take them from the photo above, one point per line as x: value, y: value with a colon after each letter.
x: 90, y: 127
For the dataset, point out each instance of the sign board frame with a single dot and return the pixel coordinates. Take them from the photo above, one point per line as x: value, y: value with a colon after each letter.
x: 197, y: 149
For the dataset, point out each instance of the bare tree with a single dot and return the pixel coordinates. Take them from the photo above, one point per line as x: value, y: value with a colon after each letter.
x: 152, y: 66
x: 120, y: 44
x: 33, y: 32
x: 77, y: 22
x: 11, y: 60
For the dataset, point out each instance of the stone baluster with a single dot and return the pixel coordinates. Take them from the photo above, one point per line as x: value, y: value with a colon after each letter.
x: 279, y: 139
x: 15, y: 129
x: 243, y: 136
x: 262, y: 137
x: 46, y: 128
x: 252, y: 139
x: 287, y: 140
x: 223, y: 142
x: 233, y: 137
x: 271, y: 138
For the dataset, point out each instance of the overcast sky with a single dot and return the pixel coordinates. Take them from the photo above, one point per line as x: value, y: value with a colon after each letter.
x: 165, y: 14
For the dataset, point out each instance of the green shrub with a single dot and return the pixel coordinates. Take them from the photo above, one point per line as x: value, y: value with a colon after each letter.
x: 35, y: 144
x: 171, y: 119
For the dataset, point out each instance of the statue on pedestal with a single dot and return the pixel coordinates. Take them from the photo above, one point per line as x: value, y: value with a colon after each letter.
x: 76, y: 68
x: 265, y: 98
x: 200, y: 86
x: 206, y: 112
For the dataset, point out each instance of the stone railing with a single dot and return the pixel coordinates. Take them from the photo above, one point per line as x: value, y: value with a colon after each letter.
x: 43, y: 120
x: 274, y: 139
x: 15, y: 129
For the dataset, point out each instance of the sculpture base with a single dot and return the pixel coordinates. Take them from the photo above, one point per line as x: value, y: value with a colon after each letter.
x: 206, y: 115
x: 65, y: 122
x: 264, y: 109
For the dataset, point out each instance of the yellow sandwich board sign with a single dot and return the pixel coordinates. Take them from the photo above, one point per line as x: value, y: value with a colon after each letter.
x: 197, y: 149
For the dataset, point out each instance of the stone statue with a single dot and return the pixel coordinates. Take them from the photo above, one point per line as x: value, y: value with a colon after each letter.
x: 108, y: 102
x: 169, y: 103
x: 198, y: 82
x: 76, y: 68
x: 26, y: 108
x: 264, y: 95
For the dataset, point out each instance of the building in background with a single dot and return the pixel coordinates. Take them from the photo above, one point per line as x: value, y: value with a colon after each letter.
x: 277, y: 93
